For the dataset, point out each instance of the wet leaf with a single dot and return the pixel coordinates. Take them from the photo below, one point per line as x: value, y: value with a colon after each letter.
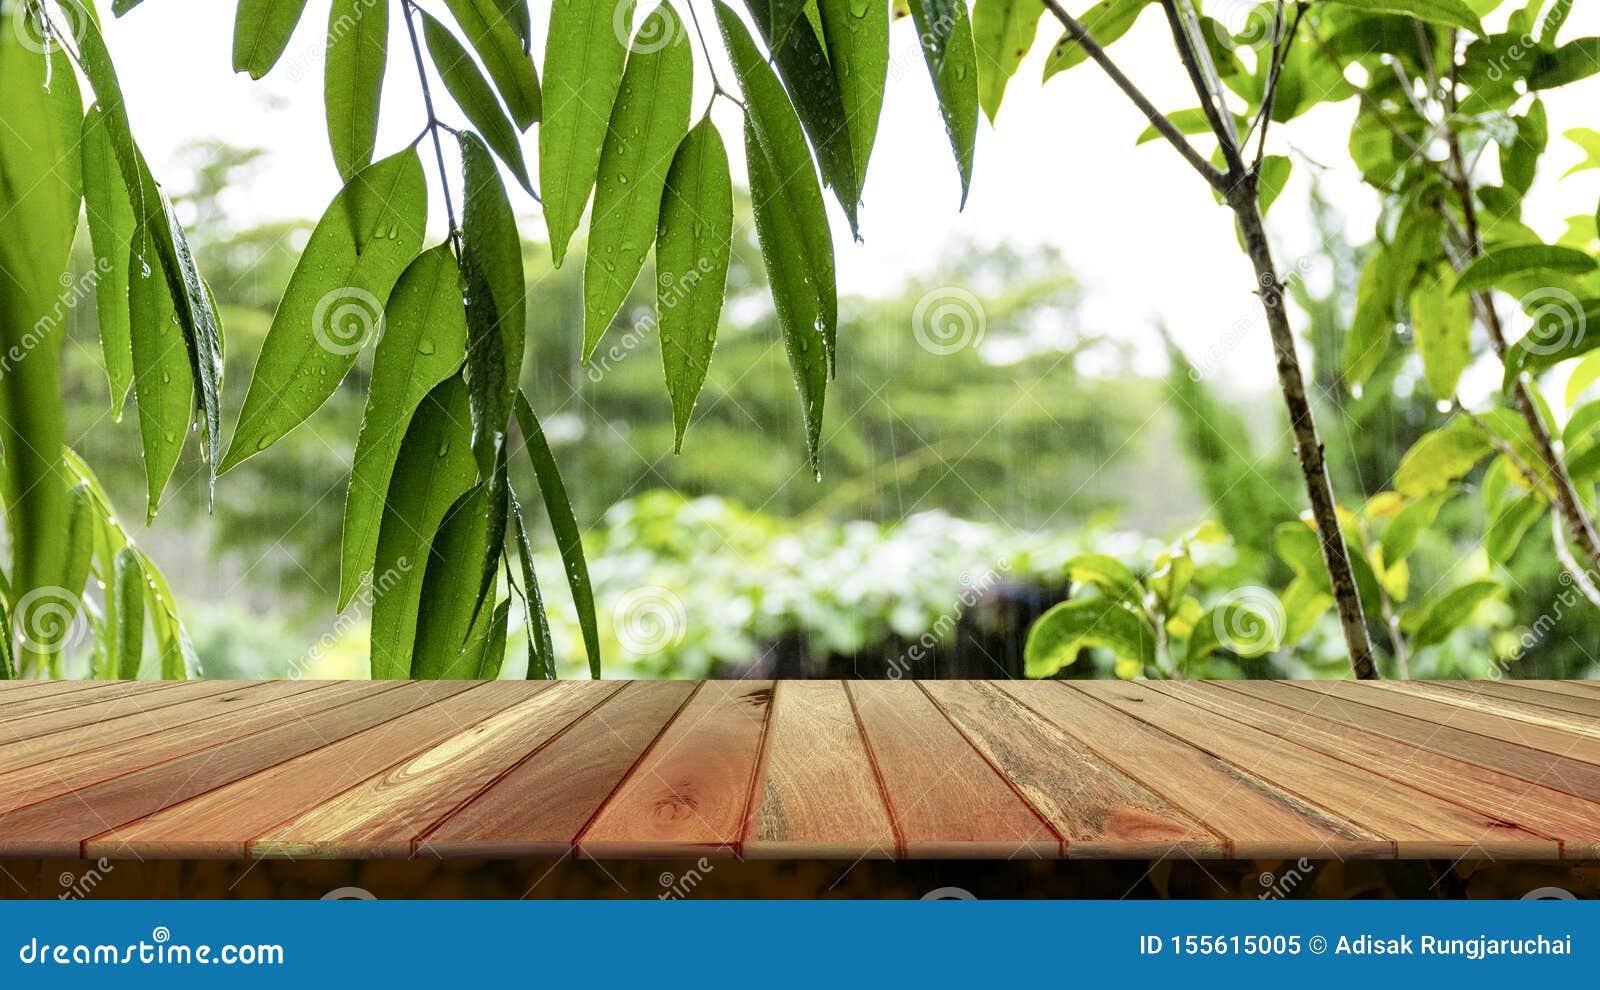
x: 356, y: 57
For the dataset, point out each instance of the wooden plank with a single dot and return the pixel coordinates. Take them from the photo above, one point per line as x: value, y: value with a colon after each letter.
x: 58, y: 827
x: 819, y: 794
x: 690, y: 794
x: 98, y: 693
x: 1546, y: 811
x: 106, y: 712
x: 12, y: 692
x: 44, y: 781
x: 1570, y: 702
x: 1420, y: 824
x: 221, y: 823
x: 540, y: 807
x: 1522, y: 762
x: 945, y: 800
x: 383, y: 816
x: 1479, y: 700
x: 1256, y: 817
x: 1100, y: 811
x: 231, y: 697
x: 1469, y: 719
x: 1569, y: 689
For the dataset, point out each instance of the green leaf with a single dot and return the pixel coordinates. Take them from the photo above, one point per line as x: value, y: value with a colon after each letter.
x: 1493, y: 268
x: 1588, y: 140
x: 1248, y: 623
x: 813, y: 88
x: 541, y: 652
x: 433, y: 470
x: 1440, y: 458
x: 1575, y: 60
x: 780, y: 231
x: 77, y: 546
x: 1109, y: 574
x: 357, y: 55
x: 1372, y: 327
x: 650, y: 118
x: 111, y: 229
x: 128, y: 587
x: 8, y: 662
x: 161, y: 375
x: 1451, y: 13
x: 1442, y: 323
x: 1509, y: 525
x: 334, y: 303
x: 693, y: 240
x: 1275, y: 171
x: 1448, y: 613
x: 565, y: 527
x: 1400, y: 536
x: 261, y: 32
x: 947, y: 47
x: 423, y: 343
x: 1003, y: 32
x: 471, y: 92
x: 1303, y: 604
x: 583, y: 61
x: 1106, y: 22
x: 448, y: 604
x: 491, y: 268
x: 1561, y: 327
x: 1056, y: 639
x: 857, y: 35
x: 498, y: 31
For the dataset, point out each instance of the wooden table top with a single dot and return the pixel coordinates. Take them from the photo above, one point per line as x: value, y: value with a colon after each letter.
x: 800, y: 769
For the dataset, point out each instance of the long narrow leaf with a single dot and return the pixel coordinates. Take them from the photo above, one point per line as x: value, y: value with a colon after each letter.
x: 498, y: 32
x: 857, y: 35
x: 356, y: 57
x: 111, y: 230
x: 471, y: 91
x: 261, y: 31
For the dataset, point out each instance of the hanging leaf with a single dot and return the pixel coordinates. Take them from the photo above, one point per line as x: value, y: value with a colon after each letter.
x: 583, y: 59
x: 1106, y: 22
x: 111, y: 228
x: 1372, y: 327
x: 448, y: 605
x: 1442, y: 323
x: 1449, y: 612
x: 433, y: 470
x: 1451, y: 13
x: 856, y: 33
x: 491, y: 268
x: 1508, y: 527
x: 1061, y: 633
x: 161, y: 375
x: 357, y: 55
x: 565, y: 527
x: 1561, y: 328
x: 1494, y: 268
x: 333, y: 306
x: 8, y: 661
x: 778, y: 228
x: 798, y: 56
x: 1573, y: 61
x: 794, y: 205
x: 498, y: 31
x: 471, y: 91
x: 423, y: 343
x: 1440, y: 458
x: 649, y: 120
x: 946, y: 37
x: 693, y: 241
x: 541, y: 652
x: 1400, y: 536
x: 129, y: 632
x: 261, y: 32
x: 1003, y: 32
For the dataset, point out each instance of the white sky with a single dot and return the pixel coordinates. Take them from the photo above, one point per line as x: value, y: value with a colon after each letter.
x: 1138, y: 228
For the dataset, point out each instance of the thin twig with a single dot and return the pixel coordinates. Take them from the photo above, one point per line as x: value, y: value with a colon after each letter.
x: 434, y: 125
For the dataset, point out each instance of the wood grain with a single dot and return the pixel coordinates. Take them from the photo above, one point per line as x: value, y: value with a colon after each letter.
x: 221, y: 823
x: 1419, y: 824
x: 1569, y: 701
x: 383, y: 816
x: 819, y: 795
x: 946, y: 801
x: 96, y: 693
x: 106, y: 713
x: 1476, y: 698
x: 690, y: 794
x: 1257, y: 818
x: 540, y: 807
x: 1100, y: 811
